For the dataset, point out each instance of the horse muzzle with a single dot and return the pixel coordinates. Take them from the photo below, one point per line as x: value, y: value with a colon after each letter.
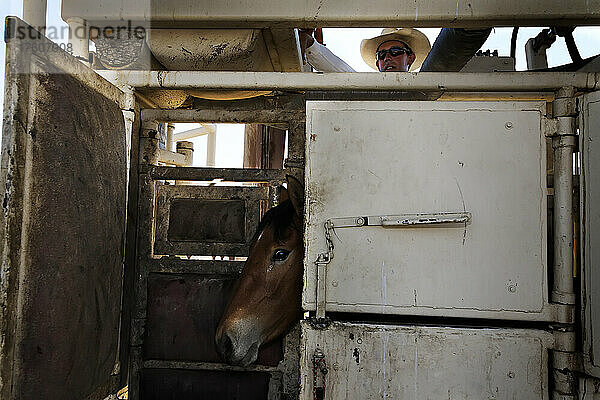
x: 235, y: 351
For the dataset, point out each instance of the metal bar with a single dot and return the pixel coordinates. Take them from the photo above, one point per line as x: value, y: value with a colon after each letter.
x: 171, y: 364
x: 219, y: 116
x: 563, y: 289
x: 172, y: 158
x: 402, y: 220
x: 427, y: 81
x: 315, y: 13
x: 211, y: 148
x: 210, y: 174
x: 175, y: 265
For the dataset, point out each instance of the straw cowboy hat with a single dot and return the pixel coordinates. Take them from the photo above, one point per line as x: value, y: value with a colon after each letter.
x: 416, y: 40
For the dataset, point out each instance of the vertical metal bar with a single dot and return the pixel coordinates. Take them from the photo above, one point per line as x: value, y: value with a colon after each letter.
x: 170, y: 130
x: 211, y: 148
x: 34, y: 14
x: 148, y: 155
x: 563, y: 356
x: 132, y: 116
x: 563, y: 145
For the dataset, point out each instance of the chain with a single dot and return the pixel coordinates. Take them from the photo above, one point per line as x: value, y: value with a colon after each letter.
x: 325, y: 258
x: 319, y: 365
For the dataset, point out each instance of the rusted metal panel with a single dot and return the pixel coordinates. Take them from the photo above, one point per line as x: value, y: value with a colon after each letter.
x: 590, y: 243
x: 182, y: 318
x: 417, y: 362
x: 64, y: 181
x: 196, y: 220
x: 385, y: 158
x: 190, y: 220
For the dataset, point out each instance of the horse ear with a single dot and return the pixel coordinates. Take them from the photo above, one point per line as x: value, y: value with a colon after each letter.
x: 296, y: 194
x: 283, y: 194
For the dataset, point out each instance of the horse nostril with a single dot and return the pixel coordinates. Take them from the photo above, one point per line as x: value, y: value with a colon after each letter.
x: 225, y: 346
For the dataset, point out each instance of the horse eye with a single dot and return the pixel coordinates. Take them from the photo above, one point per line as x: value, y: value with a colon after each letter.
x: 280, y: 255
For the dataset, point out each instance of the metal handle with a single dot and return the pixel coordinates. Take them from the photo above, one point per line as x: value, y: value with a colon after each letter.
x: 406, y: 220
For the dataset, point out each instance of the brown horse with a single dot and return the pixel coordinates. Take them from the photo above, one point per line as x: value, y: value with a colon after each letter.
x: 267, y: 298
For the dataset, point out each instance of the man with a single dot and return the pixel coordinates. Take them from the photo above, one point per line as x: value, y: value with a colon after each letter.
x: 394, y: 50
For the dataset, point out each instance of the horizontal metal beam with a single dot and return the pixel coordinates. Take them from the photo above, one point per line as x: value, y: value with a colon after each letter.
x: 338, y: 13
x: 168, y: 364
x: 220, y: 116
x: 424, y: 81
x: 210, y: 174
x: 176, y: 265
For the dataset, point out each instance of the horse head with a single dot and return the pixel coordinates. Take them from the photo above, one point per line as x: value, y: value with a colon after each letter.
x: 267, y: 298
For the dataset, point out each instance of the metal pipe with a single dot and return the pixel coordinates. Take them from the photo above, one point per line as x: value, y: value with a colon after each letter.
x: 170, y: 130
x: 428, y: 81
x: 563, y: 143
x: 453, y: 48
x: 79, y: 38
x: 338, y: 13
x: 34, y: 13
x: 211, y: 148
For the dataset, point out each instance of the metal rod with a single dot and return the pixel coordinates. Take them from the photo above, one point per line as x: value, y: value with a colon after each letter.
x: 427, y: 81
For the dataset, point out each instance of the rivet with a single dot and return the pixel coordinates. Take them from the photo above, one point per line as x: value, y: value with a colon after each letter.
x: 334, y: 283
x: 359, y: 341
x: 511, y: 374
x: 508, y: 125
x: 336, y: 366
x: 512, y: 288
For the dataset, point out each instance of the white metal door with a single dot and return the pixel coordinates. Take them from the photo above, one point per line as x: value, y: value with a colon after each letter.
x: 391, y: 362
x: 590, y: 225
x: 483, y: 160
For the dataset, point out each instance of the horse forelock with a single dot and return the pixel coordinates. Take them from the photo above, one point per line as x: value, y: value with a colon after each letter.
x: 279, y: 219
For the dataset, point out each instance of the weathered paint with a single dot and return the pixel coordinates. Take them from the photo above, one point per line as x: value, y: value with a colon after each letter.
x: 416, y: 362
x: 390, y: 158
x: 590, y: 196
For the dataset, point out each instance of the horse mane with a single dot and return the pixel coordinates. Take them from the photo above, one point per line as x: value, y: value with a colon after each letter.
x: 279, y: 218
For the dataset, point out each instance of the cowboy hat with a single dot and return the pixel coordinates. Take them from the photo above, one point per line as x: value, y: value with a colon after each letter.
x: 416, y: 40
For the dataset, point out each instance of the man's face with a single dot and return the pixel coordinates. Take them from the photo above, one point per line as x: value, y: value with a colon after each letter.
x: 398, y: 63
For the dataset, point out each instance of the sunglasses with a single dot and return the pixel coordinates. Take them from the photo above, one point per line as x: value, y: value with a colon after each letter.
x: 394, y: 52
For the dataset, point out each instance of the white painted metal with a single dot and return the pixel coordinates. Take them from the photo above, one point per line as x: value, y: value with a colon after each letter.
x: 211, y: 148
x: 386, y: 158
x: 390, y: 362
x: 315, y: 13
x: 484, y: 82
x: 79, y: 37
x: 202, y: 130
x: 590, y: 224
x: 34, y: 13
